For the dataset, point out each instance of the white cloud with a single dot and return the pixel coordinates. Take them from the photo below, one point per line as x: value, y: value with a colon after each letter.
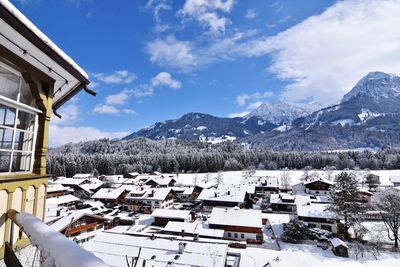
x: 207, y: 12
x: 242, y: 99
x: 69, y: 113
x: 157, y: 6
x: 118, y: 99
x: 251, y: 13
x: 63, y: 135
x: 117, y: 77
x: 129, y: 111
x: 106, y: 109
x: 239, y: 114
x: 325, y: 55
x: 164, y: 78
x: 172, y: 52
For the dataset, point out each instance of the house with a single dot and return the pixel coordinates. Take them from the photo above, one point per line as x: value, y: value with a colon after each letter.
x: 395, y: 180
x: 212, y: 198
x: 92, y: 207
x: 267, y: 185
x: 193, y: 229
x: 318, y: 187
x: 82, y: 176
x: 132, y: 175
x: 163, y: 216
x: 37, y: 78
x: 76, y: 184
x: 147, y: 200
x: 56, y: 190
x: 160, y: 182
x: 64, y: 201
x: 111, y: 197
x: 316, y: 215
x: 157, y: 251
x: 339, y: 247
x: 183, y: 194
x: 80, y: 227
x: 282, y: 202
x: 238, y: 224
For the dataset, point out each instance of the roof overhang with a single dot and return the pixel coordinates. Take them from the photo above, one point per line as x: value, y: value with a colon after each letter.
x: 24, y: 40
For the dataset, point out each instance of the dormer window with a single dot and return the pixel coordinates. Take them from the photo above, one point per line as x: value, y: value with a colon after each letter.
x: 18, y: 122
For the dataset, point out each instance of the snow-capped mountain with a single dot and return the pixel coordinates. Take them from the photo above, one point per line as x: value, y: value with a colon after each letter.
x: 376, y: 85
x: 204, y: 127
x: 281, y: 112
x: 367, y: 117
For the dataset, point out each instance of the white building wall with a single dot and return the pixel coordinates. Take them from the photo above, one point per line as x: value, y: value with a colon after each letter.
x: 231, y: 235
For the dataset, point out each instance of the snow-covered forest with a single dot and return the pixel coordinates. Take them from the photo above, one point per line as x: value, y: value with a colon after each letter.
x: 144, y: 155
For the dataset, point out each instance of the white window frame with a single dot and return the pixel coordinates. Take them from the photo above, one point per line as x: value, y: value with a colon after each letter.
x: 18, y: 106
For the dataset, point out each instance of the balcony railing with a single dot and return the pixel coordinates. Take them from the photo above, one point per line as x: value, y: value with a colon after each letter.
x: 55, y: 248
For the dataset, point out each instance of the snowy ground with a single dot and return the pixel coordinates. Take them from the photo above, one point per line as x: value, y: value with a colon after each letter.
x: 234, y: 177
x: 309, y: 256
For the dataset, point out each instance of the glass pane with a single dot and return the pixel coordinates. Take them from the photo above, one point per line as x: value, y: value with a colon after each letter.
x: 7, y: 116
x: 21, y: 162
x: 5, y: 161
x: 26, y: 121
x: 26, y: 95
x: 5, y: 138
x: 9, y: 84
x: 23, y: 141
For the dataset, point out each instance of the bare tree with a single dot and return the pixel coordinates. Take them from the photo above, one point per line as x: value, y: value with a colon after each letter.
x: 286, y: 180
x: 328, y: 170
x: 220, y: 178
x: 306, y: 173
x: 388, y: 204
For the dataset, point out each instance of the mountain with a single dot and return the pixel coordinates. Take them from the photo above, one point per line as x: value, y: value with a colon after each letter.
x: 367, y: 117
x: 280, y: 112
x: 204, y: 127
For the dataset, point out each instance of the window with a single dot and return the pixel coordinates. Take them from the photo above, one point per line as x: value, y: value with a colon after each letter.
x: 236, y: 235
x: 229, y: 235
x: 18, y: 123
x: 242, y: 235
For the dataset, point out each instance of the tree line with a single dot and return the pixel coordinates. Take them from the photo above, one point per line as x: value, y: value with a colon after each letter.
x: 170, y: 156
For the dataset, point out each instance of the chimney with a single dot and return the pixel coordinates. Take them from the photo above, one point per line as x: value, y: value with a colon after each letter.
x: 58, y: 212
x: 215, y: 194
x: 229, y: 192
x: 183, y: 232
x: 181, y: 247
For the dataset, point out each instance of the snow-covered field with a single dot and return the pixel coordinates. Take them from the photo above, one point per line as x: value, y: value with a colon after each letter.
x: 235, y: 177
x: 310, y: 256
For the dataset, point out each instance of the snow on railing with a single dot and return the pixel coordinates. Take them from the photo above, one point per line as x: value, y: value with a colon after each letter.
x: 55, y: 247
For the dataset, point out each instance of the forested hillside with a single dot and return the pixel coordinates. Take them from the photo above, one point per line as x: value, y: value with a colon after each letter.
x: 144, y: 155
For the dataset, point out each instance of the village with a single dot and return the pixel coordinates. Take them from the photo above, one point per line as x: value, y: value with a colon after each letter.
x: 222, y: 218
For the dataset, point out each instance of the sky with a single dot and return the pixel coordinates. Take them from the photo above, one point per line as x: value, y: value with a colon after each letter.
x: 154, y: 60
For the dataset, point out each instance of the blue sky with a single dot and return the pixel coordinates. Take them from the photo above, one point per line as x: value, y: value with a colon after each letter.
x: 155, y: 60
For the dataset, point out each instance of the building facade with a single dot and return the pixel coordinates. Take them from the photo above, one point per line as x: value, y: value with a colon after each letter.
x: 36, y: 78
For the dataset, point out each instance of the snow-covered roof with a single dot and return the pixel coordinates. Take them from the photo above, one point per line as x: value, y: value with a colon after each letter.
x: 394, y: 179
x: 236, y: 217
x: 82, y: 175
x: 314, y: 210
x: 215, y: 195
x: 338, y: 242
x: 63, y: 222
x: 45, y: 53
x: 95, y: 207
x: 70, y: 181
x: 115, y: 249
x: 178, y: 227
x: 65, y: 199
x: 56, y: 188
x: 323, y: 180
x: 150, y: 194
x: 168, y: 213
x: 160, y: 181
x: 201, y: 229
x: 110, y: 193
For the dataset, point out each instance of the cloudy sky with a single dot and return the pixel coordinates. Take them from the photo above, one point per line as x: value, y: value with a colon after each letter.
x: 155, y: 60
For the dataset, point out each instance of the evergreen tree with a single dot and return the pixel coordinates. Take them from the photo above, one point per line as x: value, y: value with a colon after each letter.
x: 346, y: 200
